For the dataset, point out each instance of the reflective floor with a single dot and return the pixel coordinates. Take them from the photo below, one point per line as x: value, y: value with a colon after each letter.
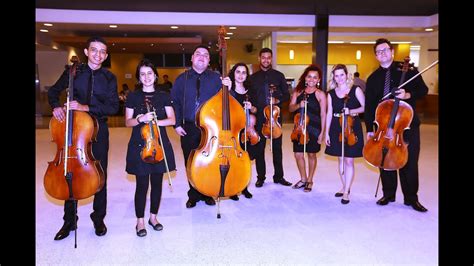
x: 279, y: 225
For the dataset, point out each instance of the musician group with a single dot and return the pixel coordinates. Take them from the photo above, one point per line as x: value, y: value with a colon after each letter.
x: 331, y: 117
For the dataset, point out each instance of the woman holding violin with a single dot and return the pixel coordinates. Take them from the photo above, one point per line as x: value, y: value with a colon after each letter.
x: 344, y: 136
x: 239, y: 90
x: 310, y: 101
x: 148, y: 109
x: 95, y: 92
x: 379, y: 84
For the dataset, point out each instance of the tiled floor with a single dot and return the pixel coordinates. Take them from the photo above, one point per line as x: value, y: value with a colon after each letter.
x: 279, y: 225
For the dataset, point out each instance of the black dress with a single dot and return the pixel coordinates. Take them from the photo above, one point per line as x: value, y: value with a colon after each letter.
x: 135, y: 165
x: 314, y: 126
x: 335, y: 127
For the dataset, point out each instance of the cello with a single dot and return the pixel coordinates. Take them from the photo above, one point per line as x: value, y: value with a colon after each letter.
x: 74, y: 173
x: 387, y: 149
x: 219, y: 167
x: 271, y: 128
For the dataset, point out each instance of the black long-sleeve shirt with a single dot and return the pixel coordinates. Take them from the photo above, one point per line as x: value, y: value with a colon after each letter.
x: 260, y: 83
x: 184, y: 93
x: 375, y: 86
x: 103, y: 99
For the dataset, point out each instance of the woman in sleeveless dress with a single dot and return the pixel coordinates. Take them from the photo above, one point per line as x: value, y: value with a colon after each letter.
x: 341, y: 88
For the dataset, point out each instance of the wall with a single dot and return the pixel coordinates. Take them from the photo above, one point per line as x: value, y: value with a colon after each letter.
x: 236, y: 52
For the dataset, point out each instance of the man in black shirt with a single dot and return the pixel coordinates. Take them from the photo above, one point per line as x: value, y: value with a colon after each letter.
x: 379, y: 84
x: 261, y: 81
x: 190, y: 90
x: 95, y: 92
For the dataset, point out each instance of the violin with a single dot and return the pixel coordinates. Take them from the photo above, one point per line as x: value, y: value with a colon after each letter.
x: 74, y: 173
x: 271, y: 128
x: 249, y: 134
x: 387, y: 149
x: 152, y: 151
x: 219, y: 167
x: 347, y: 124
x: 301, y: 120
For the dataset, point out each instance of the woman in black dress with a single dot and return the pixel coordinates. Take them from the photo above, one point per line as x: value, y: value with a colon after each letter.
x: 239, y: 90
x: 342, y: 87
x: 316, y: 111
x: 137, y: 116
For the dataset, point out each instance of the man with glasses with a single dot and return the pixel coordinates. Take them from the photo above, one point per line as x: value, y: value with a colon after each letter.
x: 379, y: 84
x: 190, y: 90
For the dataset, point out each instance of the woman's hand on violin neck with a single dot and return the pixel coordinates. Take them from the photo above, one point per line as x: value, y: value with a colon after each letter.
x: 247, y: 105
x: 370, y: 135
x: 346, y: 111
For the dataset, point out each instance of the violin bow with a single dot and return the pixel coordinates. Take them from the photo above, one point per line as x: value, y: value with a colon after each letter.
x: 406, y: 82
x: 170, y: 185
x: 305, y: 113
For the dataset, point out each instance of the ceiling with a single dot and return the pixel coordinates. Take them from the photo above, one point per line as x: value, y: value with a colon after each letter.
x: 136, y: 38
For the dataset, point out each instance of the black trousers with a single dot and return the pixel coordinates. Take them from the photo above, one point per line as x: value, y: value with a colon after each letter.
x: 408, y: 173
x: 141, y: 190
x: 100, y: 150
x: 260, y: 156
x: 190, y: 142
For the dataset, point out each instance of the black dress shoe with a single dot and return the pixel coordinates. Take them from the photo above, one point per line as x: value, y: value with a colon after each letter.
x: 259, y: 183
x: 141, y: 232
x: 338, y: 194
x: 416, y: 205
x: 282, y: 181
x: 385, y: 200
x: 247, y: 194
x: 156, y: 227
x: 210, y: 201
x: 190, y: 203
x: 100, y: 228
x: 235, y: 197
x: 343, y: 201
x: 65, y: 229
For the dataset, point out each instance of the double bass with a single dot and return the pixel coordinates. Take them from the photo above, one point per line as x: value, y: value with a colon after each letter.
x: 219, y: 167
x: 387, y: 149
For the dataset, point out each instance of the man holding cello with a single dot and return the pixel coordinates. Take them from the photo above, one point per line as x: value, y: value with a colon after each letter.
x: 95, y: 92
x: 379, y: 84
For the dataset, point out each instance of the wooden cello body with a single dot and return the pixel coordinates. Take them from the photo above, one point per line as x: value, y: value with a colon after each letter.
x: 74, y: 173
x: 219, y: 167
x: 387, y: 149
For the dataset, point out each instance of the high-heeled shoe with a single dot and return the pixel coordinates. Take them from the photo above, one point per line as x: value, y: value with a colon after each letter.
x: 299, y: 184
x: 156, y: 227
x: 308, y: 187
x: 340, y: 194
x: 141, y: 232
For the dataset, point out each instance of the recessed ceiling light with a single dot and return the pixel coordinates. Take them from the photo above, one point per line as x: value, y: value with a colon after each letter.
x: 174, y: 27
x: 152, y: 44
x: 227, y: 37
x: 43, y: 30
x: 123, y: 49
x: 429, y: 29
x: 232, y: 28
x: 335, y: 41
x: 364, y: 42
x: 230, y: 33
x: 48, y: 24
x: 113, y: 26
